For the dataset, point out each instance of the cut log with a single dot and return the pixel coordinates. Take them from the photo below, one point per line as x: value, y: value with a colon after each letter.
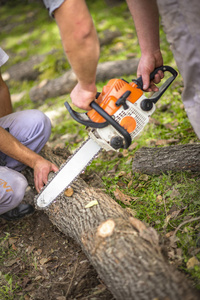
x: 65, y: 84
x: 125, y: 253
x: 163, y: 159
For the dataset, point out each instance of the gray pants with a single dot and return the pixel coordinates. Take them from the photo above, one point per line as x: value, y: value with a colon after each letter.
x: 181, y: 21
x: 32, y: 128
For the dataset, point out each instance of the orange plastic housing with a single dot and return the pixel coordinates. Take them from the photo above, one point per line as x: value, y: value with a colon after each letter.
x: 111, y: 92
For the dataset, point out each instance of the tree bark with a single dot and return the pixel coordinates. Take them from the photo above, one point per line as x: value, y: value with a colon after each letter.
x: 172, y: 158
x: 125, y: 253
x: 65, y: 84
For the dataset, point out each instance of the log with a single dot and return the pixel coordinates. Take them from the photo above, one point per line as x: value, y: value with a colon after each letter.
x: 163, y: 159
x: 125, y: 253
x: 27, y: 70
x: 64, y: 84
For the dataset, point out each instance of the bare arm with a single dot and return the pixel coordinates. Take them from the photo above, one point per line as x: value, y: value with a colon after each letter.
x: 13, y: 148
x: 146, y: 18
x: 5, y: 101
x: 81, y: 46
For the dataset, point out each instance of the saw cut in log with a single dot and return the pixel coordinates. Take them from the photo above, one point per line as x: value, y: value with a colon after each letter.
x: 65, y: 84
x: 125, y: 253
x: 163, y: 159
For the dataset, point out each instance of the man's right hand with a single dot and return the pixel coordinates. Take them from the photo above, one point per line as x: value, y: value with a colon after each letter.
x: 42, y: 168
x: 148, y: 63
x: 83, y: 96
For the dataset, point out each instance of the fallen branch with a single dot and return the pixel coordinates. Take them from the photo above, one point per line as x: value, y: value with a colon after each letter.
x: 163, y: 159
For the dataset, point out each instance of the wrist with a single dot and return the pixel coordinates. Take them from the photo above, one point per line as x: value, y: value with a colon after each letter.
x: 89, y: 87
x: 37, y: 159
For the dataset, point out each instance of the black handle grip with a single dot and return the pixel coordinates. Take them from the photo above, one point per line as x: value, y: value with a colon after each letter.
x: 139, y: 80
x: 111, y: 121
x: 156, y: 96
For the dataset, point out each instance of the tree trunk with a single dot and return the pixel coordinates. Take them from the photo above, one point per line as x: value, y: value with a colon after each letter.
x: 125, y: 253
x: 65, y: 84
x: 172, y: 158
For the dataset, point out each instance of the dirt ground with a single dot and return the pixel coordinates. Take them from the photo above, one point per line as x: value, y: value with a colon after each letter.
x: 44, y: 263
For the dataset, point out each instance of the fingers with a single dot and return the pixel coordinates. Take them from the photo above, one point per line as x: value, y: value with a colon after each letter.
x: 54, y: 168
x: 152, y: 84
x: 82, y: 97
x: 41, y: 174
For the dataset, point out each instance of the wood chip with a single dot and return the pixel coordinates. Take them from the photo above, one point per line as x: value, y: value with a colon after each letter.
x: 69, y: 192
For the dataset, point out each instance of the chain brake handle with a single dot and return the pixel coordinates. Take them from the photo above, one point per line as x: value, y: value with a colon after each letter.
x: 81, y: 118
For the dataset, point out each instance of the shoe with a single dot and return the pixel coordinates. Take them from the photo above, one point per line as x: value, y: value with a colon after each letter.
x: 18, y: 212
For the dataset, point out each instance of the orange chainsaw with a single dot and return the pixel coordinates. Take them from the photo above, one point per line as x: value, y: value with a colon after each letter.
x: 118, y: 115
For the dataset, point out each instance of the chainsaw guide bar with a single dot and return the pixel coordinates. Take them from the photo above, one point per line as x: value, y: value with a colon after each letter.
x: 67, y: 173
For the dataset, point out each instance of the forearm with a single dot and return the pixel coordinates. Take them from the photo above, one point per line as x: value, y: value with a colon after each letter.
x: 146, y: 18
x: 5, y: 101
x: 10, y: 146
x: 79, y: 40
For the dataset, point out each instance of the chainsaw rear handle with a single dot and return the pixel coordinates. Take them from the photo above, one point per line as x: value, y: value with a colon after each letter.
x: 156, y: 96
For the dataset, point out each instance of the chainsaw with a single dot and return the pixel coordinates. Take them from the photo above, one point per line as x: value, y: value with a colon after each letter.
x: 118, y: 115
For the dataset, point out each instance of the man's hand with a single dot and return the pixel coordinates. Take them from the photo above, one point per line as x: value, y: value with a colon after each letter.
x: 42, y: 168
x: 83, y: 96
x: 148, y: 63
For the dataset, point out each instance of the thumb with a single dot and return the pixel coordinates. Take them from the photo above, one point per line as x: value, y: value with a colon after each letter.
x: 146, y: 81
x: 54, y: 168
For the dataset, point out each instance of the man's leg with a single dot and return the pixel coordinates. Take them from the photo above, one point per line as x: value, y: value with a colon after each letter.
x: 181, y: 23
x: 12, y: 189
x: 31, y: 127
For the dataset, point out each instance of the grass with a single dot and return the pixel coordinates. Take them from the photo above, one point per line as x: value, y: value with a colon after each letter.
x: 154, y: 198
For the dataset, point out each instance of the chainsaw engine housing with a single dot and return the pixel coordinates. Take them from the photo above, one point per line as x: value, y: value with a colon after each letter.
x: 121, y: 111
x: 128, y: 113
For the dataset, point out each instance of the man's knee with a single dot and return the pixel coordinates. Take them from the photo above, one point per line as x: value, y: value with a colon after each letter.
x: 32, y: 128
x: 12, y: 189
x: 34, y: 123
x: 41, y: 122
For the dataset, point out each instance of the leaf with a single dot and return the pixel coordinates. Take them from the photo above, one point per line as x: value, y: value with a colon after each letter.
x: 123, y: 197
x: 30, y: 249
x: 159, y: 199
x: 10, y: 262
x: 92, y: 203
x: 133, y: 146
x: 167, y: 221
x: 12, y: 240
x: 121, y: 173
x: 45, y: 260
x: 192, y: 262
x: 144, y: 177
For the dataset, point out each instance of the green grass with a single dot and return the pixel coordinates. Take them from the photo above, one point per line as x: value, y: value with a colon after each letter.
x: 33, y: 32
